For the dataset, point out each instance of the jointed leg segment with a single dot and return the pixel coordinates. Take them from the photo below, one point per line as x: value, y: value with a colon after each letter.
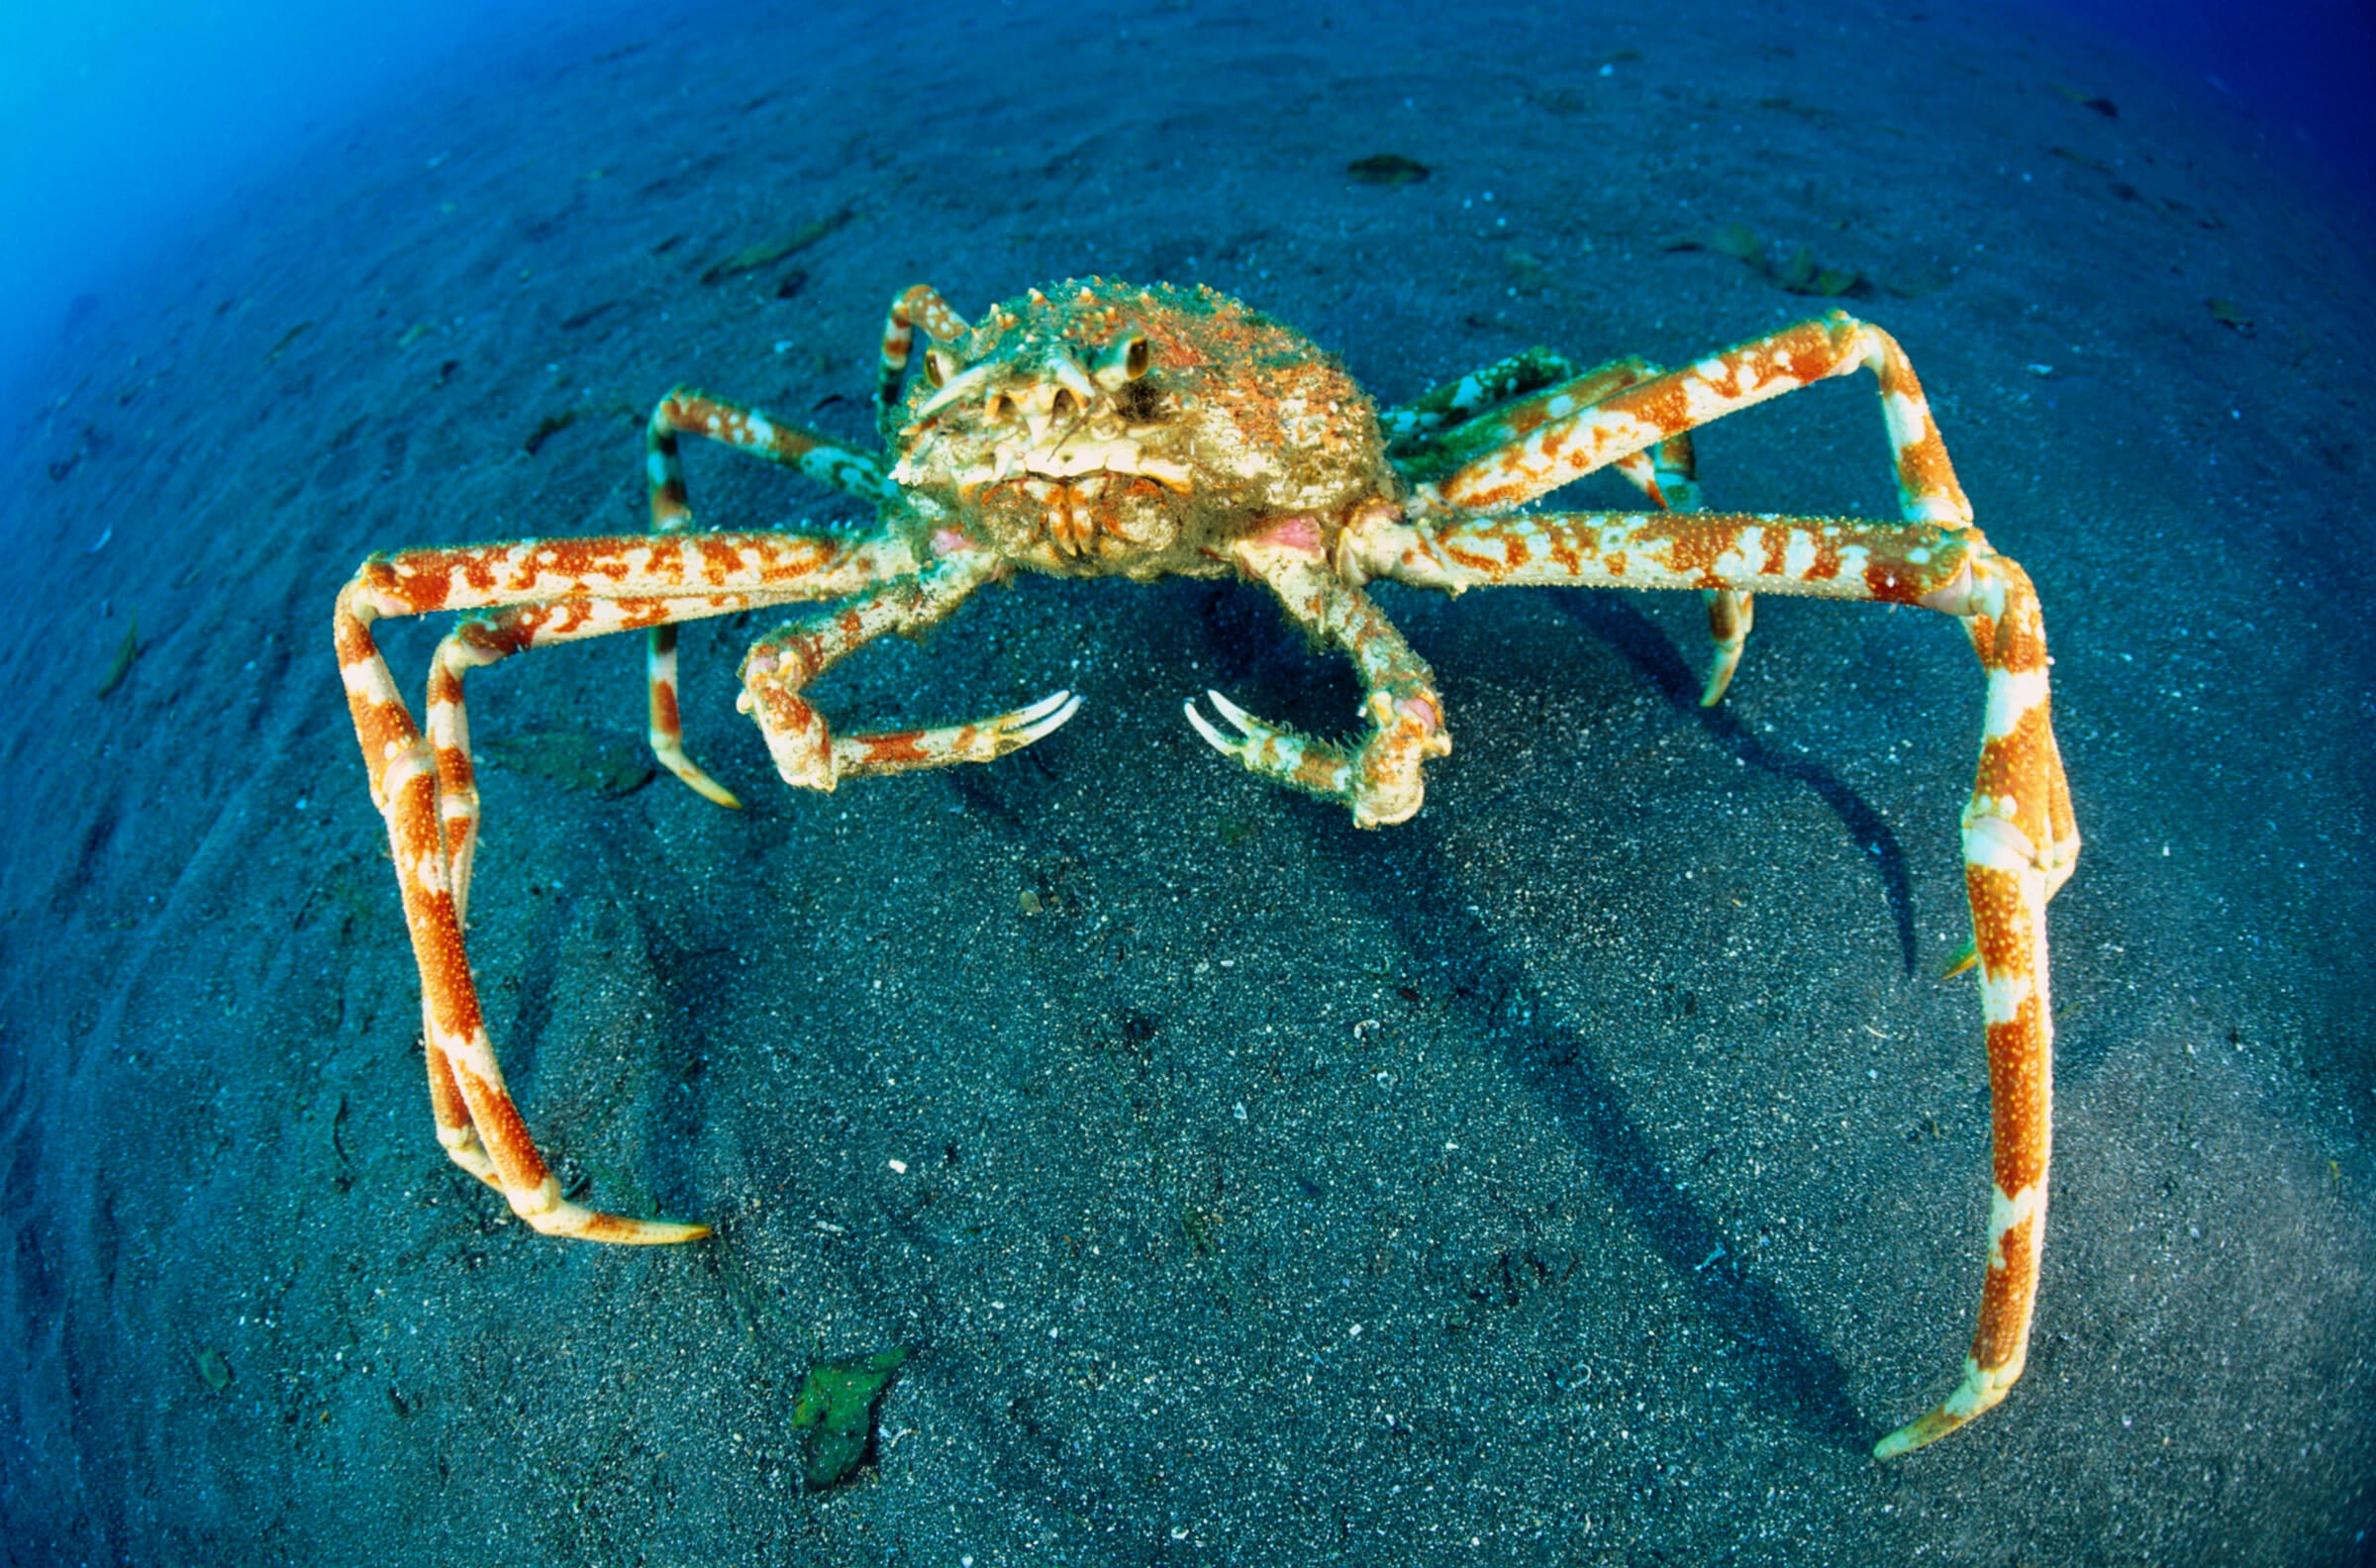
x: 2020, y: 838
x: 1379, y: 778
x: 806, y: 751
x: 542, y: 592
x: 685, y: 412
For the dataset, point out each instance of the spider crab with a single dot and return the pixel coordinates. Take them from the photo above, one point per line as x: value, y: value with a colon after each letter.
x: 1102, y: 429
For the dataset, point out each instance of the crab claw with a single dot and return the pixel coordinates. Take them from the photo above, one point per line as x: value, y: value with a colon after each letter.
x: 1378, y: 779
x: 1050, y: 713
x: 1252, y: 734
x: 982, y: 741
x: 1274, y: 752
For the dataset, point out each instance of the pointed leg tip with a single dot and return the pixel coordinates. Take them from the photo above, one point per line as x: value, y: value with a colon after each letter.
x: 1229, y: 709
x: 654, y: 1232
x: 684, y: 767
x: 1207, y: 729
x: 1920, y: 1433
x: 547, y: 1212
x: 1980, y: 1392
x: 592, y: 1224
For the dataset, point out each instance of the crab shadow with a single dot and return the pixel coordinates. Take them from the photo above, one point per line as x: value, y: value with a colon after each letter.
x: 1644, y: 645
x: 1558, y: 1059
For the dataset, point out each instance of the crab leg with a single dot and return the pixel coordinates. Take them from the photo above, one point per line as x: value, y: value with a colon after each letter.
x: 1527, y: 449
x: 1496, y: 408
x: 1458, y: 400
x: 485, y: 639
x: 1563, y: 434
x: 686, y: 412
x: 919, y: 306
x: 2019, y: 841
x: 807, y: 752
x: 1666, y: 472
x: 589, y: 587
x: 1380, y: 778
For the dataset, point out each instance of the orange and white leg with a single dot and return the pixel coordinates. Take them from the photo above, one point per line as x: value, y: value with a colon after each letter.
x: 1458, y: 402
x: 1494, y: 409
x: 485, y: 639
x: 1479, y: 417
x: 1668, y: 473
x: 2019, y: 841
x: 686, y: 412
x: 808, y: 754
x: 1533, y: 447
x: 2019, y: 845
x: 1563, y: 434
x: 921, y: 306
x: 591, y: 587
x: 1379, y: 778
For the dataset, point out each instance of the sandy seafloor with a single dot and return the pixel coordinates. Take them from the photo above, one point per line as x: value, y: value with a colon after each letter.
x: 1585, y: 1172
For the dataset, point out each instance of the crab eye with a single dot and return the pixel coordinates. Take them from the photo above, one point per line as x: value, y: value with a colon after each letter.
x: 1001, y: 407
x: 1063, y: 405
x: 1125, y: 359
x: 940, y: 366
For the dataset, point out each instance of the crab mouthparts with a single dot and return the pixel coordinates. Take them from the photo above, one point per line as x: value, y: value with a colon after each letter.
x: 1082, y: 465
x: 1076, y: 516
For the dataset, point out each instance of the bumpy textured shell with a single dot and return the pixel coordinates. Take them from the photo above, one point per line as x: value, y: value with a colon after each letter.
x: 1238, y: 422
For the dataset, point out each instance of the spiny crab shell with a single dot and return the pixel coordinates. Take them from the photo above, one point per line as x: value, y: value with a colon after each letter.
x: 1105, y: 429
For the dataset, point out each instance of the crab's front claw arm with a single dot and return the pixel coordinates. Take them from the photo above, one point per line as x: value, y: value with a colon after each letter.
x: 809, y: 755
x: 1379, y: 779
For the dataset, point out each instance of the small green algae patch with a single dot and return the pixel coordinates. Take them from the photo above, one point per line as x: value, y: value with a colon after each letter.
x: 605, y: 765
x: 753, y: 257
x: 835, y: 1414
x: 1387, y: 169
x: 1800, y: 274
x: 1201, y: 1229
x: 121, y: 665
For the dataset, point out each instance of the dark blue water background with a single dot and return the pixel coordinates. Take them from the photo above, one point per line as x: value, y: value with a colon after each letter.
x: 126, y: 126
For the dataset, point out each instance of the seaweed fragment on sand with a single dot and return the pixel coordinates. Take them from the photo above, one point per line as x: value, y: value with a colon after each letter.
x: 2101, y: 104
x: 2081, y: 158
x: 604, y: 765
x: 553, y: 424
x: 286, y: 339
x: 1800, y: 274
x: 835, y: 1414
x: 2228, y: 313
x: 121, y: 665
x: 1387, y: 169
x: 549, y: 426
x: 1803, y: 275
x: 751, y: 258
x: 1525, y: 272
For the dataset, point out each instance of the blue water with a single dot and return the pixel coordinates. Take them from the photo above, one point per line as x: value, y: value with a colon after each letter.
x: 2305, y: 68
x: 124, y: 121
